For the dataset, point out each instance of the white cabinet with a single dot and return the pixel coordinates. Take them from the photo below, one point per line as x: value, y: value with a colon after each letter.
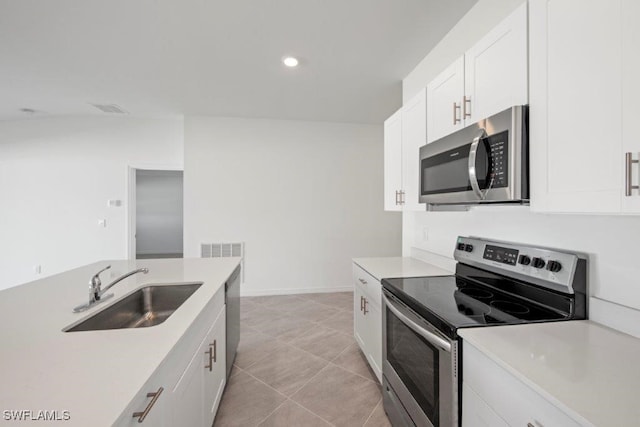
x: 492, y: 396
x: 367, y: 318
x: 393, y: 162
x: 197, y: 394
x: 490, y: 77
x: 445, y: 96
x: 404, y: 133
x: 584, y: 90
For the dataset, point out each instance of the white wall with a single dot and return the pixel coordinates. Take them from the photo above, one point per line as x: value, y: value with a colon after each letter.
x: 56, y: 175
x: 159, y: 212
x: 610, y: 241
x: 305, y: 197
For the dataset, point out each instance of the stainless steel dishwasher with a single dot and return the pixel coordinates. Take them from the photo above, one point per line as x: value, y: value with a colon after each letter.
x: 232, y: 299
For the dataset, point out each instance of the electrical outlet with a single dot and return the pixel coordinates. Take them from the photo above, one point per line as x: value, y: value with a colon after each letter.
x: 102, y: 223
x: 425, y: 233
x: 37, y: 269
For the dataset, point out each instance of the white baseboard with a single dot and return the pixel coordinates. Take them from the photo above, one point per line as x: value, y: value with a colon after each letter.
x: 616, y: 316
x: 292, y: 291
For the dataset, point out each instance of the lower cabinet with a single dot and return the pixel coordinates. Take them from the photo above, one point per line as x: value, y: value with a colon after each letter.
x: 367, y: 318
x: 187, y: 387
x: 494, y: 397
x: 198, y: 392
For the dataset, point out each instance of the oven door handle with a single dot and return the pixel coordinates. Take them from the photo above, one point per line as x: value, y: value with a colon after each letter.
x: 427, y: 335
x: 473, y: 152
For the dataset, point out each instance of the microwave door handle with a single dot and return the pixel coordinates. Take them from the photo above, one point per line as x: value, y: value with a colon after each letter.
x: 473, y: 152
x: 427, y: 335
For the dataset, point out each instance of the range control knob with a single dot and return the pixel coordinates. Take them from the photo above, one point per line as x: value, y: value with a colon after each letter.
x: 468, y: 248
x: 538, y: 262
x: 524, y: 260
x: 554, y: 266
x: 461, y: 246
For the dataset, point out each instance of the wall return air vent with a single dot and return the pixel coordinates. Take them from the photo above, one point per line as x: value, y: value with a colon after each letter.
x: 224, y: 250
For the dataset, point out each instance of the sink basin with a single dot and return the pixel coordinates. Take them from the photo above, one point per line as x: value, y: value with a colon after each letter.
x: 148, y: 306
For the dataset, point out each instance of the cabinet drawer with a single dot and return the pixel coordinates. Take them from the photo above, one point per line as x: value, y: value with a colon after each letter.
x: 369, y: 285
x: 511, y: 399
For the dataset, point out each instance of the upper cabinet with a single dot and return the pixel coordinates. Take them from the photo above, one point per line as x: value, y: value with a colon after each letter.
x: 584, y: 90
x: 404, y: 133
x: 490, y: 77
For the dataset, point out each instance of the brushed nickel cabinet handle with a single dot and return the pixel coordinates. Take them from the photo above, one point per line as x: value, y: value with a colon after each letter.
x: 364, y: 282
x: 154, y: 397
x: 466, y: 112
x: 210, y: 353
x: 215, y: 351
x: 402, y: 197
x: 456, y: 108
x: 628, y: 174
x: 361, y: 303
x: 365, y: 311
x: 530, y: 425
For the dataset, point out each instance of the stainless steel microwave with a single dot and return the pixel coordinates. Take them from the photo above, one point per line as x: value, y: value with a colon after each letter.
x: 487, y: 162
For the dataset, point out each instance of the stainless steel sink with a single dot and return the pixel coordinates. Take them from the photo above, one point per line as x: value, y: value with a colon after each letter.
x: 148, y: 306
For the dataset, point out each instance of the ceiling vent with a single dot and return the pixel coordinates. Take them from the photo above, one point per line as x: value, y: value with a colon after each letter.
x: 110, y: 108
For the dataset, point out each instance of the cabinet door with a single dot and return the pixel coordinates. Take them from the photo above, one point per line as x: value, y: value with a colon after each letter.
x: 476, y: 412
x: 496, y: 69
x: 373, y: 320
x: 360, y: 329
x: 188, y: 407
x: 393, y: 162
x: 444, y: 101
x: 414, y: 136
x: 215, y: 372
x: 630, y: 97
x: 576, y: 105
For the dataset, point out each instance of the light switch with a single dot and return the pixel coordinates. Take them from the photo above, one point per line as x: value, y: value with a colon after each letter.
x: 102, y: 223
x: 114, y: 203
x: 37, y: 269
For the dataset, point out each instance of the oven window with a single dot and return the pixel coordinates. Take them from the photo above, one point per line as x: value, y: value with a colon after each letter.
x: 417, y: 364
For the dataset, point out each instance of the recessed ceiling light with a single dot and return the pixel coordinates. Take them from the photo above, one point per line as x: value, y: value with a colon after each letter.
x: 290, y: 61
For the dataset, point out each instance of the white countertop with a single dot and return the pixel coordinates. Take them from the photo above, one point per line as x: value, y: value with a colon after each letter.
x: 389, y: 267
x: 587, y: 370
x: 95, y: 374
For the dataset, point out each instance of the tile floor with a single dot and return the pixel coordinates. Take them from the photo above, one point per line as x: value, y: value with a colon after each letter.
x: 299, y: 365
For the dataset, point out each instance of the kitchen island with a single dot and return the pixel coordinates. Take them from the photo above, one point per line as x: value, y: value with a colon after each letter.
x: 100, y: 377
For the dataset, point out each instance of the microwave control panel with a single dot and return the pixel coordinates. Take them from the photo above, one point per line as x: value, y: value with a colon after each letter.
x: 498, y: 159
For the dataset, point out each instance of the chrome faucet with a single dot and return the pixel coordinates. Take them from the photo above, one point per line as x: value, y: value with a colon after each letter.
x: 96, y: 293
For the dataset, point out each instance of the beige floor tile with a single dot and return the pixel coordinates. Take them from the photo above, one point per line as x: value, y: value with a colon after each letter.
x: 247, y: 306
x: 340, y: 397
x: 255, y: 346
x: 353, y: 360
x: 313, y: 312
x: 342, y: 321
x: 290, y: 414
x: 258, y: 316
x: 378, y: 418
x: 288, y: 369
x: 246, y: 401
x: 285, y: 328
x: 323, y: 342
x: 277, y: 302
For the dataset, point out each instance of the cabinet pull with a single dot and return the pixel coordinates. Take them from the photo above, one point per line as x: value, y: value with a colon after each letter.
x: 364, y: 282
x: 365, y: 311
x: 456, y: 108
x: 402, y: 197
x: 466, y: 112
x: 154, y: 396
x: 361, y: 302
x: 628, y: 174
x: 215, y: 351
x: 210, y: 365
x: 530, y: 425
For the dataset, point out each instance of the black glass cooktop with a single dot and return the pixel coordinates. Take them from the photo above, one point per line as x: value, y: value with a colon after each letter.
x: 452, y: 302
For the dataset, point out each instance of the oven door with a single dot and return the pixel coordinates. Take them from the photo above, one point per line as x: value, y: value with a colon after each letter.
x: 419, y: 368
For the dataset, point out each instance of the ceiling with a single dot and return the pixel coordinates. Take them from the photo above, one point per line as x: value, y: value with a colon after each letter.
x: 157, y: 58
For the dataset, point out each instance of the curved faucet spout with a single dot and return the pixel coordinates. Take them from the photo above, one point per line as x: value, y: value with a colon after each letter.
x: 121, y: 278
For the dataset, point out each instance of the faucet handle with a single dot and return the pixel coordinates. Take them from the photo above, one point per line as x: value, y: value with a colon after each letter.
x: 95, y: 280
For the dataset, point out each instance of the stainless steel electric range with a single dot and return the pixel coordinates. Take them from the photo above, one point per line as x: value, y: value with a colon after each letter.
x: 495, y: 283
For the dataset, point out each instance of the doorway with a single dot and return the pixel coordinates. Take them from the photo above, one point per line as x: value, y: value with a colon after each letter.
x: 158, y: 208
